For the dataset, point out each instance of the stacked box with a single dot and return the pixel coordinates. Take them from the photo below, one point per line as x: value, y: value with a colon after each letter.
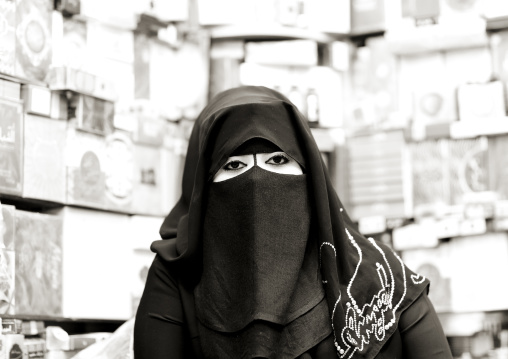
x: 481, y: 101
x: 430, y: 176
x: 10, y: 90
x: 92, y: 114
x: 38, y: 247
x: 468, y: 168
x: 96, y: 260
x: 367, y: 16
x: 379, y: 175
x: 7, y: 260
x: 85, y: 172
x: 147, y: 192
x: 498, y: 165
x: 499, y: 48
x: 69, y: 42
x: 454, y: 265
x: 33, y: 43
x: 119, y: 172
x: 8, y: 37
x: 11, y: 147
x: 44, y: 167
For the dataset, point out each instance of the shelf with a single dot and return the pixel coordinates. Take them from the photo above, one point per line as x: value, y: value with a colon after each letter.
x: 484, y: 127
x: 268, y: 32
x: 497, y: 23
x: 432, y: 38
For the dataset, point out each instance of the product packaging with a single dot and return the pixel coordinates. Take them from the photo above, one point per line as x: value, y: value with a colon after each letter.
x: 477, y: 102
x: 498, y: 166
x: 8, y: 37
x: 44, y: 166
x: 147, y: 180
x: 33, y: 39
x: 468, y: 168
x: 84, y: 163
x: 38, y: 247
x: 11, y: 147
x: 13, y: 346
x: 431, y: 186
x: 379, y: 174
x: 10, y: 90
x: 455, y: 265
x: 92, y: 114
x: 7, y: 259
x: 36, y: 99
x: 119, y: 172
x: 96, y: 282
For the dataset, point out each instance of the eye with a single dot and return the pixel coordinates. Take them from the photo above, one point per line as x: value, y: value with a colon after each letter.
x: 277, y: 160
x: 234, y: 165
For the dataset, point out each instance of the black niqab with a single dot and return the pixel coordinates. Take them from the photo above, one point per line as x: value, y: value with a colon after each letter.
x: 366, y: 284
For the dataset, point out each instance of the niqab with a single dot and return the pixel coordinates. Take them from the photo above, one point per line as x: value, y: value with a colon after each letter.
x: 366, y: 284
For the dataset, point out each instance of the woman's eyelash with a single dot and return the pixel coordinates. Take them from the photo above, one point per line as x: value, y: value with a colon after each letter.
x: 280, y: 155
x: 239, y: 164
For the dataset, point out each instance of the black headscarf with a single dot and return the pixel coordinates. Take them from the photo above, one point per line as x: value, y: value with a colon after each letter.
x: 366, y: 284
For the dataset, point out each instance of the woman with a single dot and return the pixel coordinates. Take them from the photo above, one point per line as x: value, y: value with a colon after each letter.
x: 260, y: 260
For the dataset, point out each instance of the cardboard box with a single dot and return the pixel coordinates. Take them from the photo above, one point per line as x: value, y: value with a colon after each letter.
x: 498, y: 165
x: 10, y: 90
x: 11, y: 147
x: 329, y: 16
x: 69, y: 42
x: 33, y: 43
x: 84, y: 163
x: 7, y: 260
x: 8, y: 37
x: 367, y: 16
x: 38, y: 248
x: 44, y: 163
x: 147, y: 181
x: 13, y: 345
x: 431, y: 186
x: 119, y: 172
x: 92, y: 114
x: 36, y: 99
x: 468, y: 168
x: 96, y: 264
x: 423, y: 77
x: 450, y: 271
x: 481, y: 101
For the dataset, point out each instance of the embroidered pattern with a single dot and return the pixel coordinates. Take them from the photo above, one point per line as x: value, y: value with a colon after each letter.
x: 417, y: 278
x: 374, y: 318
x: 320, y: 253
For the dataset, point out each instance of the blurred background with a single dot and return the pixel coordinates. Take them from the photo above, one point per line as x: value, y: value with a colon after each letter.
x: 407, y: 100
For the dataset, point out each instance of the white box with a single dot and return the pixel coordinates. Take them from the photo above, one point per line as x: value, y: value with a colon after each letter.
x: 96, y: 263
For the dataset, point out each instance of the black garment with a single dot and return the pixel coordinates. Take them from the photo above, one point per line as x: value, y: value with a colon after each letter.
x: 367, y: 287
x: 164, y: 322
x: 260, y: 271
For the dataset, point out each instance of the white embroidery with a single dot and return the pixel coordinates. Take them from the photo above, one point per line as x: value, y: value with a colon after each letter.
x: 320, y: 250
x: 371, y: 319
x: 417, y: 278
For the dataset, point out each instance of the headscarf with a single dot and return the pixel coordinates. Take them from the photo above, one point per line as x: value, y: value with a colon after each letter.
x: 366, y: 284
